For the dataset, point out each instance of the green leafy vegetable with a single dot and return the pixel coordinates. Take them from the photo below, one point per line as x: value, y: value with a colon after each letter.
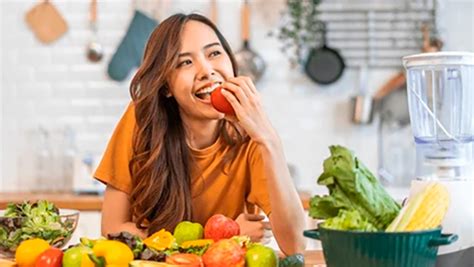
x: 24, y: 221
x: 198, y: 250
x: 352, y: 187
x: 349, y: 220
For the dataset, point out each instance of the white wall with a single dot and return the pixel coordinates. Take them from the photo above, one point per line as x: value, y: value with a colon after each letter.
x: 54, y: 85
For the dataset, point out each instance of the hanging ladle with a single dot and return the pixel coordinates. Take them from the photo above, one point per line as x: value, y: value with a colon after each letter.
x: 94, y: 48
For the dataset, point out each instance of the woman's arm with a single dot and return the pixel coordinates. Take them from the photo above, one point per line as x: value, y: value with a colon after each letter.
x: 116, y: 215
x: 287, y: 215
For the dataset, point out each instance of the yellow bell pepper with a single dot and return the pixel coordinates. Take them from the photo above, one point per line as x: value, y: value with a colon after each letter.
x: 111, y: 253
x: 197, y: 243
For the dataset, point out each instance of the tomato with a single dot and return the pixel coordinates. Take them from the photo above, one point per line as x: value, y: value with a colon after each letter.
x: 185, y: 260
x: 220, y: 103
x: 51, y: 257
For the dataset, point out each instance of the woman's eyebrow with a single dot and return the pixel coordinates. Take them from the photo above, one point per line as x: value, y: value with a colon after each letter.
x: 211, y: 45
x: 204, y: 48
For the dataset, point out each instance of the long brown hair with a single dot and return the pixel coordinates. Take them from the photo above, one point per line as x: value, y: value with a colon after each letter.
x: 161, y: 163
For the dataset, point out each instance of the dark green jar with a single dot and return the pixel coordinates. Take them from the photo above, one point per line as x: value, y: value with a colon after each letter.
x: 380, y: 249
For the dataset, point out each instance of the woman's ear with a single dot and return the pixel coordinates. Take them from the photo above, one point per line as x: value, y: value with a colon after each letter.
x: 166, y: 91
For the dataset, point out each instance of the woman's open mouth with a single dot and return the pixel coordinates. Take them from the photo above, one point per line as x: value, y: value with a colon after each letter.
x: 205, y: 92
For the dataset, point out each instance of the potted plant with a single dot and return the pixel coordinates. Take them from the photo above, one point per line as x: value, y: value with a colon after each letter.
x: 299, y: 30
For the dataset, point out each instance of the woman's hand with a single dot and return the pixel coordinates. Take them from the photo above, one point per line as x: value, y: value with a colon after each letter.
x: 249, y: 113
x: 253, y: 226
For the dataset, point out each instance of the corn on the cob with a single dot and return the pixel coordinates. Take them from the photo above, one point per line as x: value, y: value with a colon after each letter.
x: 425, y: 210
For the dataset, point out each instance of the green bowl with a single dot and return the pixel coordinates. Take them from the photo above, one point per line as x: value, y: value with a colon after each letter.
x: 380, y: 249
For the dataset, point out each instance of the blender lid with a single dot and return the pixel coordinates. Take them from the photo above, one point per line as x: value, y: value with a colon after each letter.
x: 439, y: 58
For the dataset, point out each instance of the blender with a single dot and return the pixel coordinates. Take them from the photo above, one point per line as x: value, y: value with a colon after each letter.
x: 441, y: 105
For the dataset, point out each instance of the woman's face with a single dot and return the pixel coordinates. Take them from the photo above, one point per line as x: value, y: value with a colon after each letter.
x: 202, y: 65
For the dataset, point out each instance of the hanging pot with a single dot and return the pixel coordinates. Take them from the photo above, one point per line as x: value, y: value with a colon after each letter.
x: 248, y: 61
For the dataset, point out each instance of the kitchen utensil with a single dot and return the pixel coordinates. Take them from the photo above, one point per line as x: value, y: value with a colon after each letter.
x: 375, y: 249
x: 213, y: 12
x: 129, y: 53
x: 440, y: 100
x: 248, y: 61
x: 324, y: 65
x: 46, y: 22
x: 362, y: 104
x: 94, y: 48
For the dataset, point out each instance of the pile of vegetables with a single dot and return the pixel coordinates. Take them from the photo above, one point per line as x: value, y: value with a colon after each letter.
x: 217, y: 244
x: 23, y: 221
x: 357, y: 201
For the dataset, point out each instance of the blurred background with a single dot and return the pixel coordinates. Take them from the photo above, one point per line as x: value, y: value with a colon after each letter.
x: 62, y: 93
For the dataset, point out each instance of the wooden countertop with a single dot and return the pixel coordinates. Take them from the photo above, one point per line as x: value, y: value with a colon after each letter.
x: 62, y: 200
x: 314, y: 258
x: 80, y: 202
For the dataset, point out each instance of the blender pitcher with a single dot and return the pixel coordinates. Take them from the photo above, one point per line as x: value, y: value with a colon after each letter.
x: 440, y: 90
x: 441, y: 105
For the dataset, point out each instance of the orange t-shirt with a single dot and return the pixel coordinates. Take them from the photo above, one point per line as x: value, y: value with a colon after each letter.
x: 214, y: 189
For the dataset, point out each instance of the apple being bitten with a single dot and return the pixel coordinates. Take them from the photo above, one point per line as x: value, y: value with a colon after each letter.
x: 220, y: 227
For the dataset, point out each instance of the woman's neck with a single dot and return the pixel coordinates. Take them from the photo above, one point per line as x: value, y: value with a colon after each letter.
x: 201, y: 134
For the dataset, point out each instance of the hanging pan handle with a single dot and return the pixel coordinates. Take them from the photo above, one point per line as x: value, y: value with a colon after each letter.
x: 444, y: 239
x: 245, y: 21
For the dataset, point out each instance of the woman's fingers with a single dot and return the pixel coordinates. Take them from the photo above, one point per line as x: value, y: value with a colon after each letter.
x: 267, y: 225
x: 253, y: 226
x: 250, y: 84
x: 254, y: 217
x: 243, y: 84
x: 234, y: 102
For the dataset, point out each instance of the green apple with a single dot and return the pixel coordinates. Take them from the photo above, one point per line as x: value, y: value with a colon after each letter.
x: 188, y: 231
x: 261, y: 256
x: 77, y: 257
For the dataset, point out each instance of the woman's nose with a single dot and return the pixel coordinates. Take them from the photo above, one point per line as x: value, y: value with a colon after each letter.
x: 205, y: 69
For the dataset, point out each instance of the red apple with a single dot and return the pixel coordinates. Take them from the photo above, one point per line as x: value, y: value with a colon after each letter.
x: 220, y: 227
x: 224, y: 253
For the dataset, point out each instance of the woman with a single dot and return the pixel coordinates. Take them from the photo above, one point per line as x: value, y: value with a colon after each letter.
x: 173, y: 157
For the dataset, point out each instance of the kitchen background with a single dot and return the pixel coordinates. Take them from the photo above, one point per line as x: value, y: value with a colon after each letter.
x: 57, y: 105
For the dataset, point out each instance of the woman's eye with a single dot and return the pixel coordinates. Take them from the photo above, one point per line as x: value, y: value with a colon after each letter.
x: 184, y: 63
x: 215, y: 53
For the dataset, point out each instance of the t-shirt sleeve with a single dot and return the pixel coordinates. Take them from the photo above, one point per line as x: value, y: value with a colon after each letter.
x: 258, y: 193
x: 113, y: 169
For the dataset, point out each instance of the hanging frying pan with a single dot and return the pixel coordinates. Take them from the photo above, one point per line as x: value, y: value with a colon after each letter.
x: 324, y: 65
x: 249, y: 63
